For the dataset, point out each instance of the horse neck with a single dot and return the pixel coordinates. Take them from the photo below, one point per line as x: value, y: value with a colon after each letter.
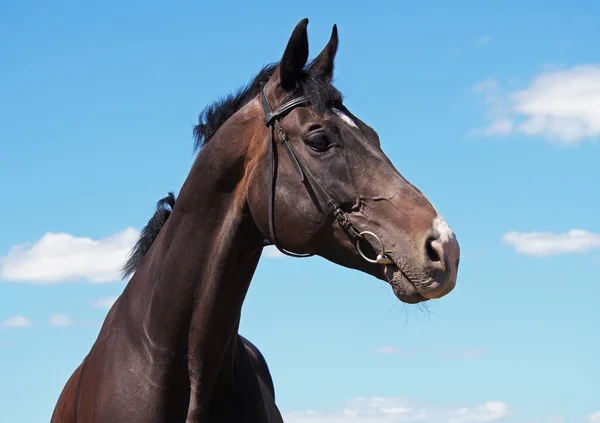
x: 199, y: 268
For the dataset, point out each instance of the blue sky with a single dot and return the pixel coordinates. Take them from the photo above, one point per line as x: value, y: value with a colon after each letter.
x: 491, y: 108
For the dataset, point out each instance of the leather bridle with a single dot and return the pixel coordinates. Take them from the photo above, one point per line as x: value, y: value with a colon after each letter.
x: 272, y: 118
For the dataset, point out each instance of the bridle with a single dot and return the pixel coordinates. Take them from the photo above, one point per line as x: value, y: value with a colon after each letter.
x: 272, y: 118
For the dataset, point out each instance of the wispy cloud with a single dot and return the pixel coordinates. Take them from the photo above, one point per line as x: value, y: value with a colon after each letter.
x: 545, y: 244
x: 498, y: 109
x: 105, y: 302
x: 396, y: 410
x: 61, y: 257
x: 560, y: 105
x: 594, y: 417
x: 483, y: 40
x: 552, y: 419
x: 16, y: 322
x: 59, y: 320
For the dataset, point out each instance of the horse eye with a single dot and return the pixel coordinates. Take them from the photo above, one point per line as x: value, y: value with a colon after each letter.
x: 318, y: 142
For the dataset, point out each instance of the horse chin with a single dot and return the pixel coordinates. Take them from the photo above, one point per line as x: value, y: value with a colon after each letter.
x: 402, y: 286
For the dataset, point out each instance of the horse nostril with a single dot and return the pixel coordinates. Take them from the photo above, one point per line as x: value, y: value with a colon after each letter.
x: 433, y: 254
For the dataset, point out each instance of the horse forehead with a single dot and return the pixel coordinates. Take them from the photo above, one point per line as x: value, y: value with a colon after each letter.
x: 345, y: 118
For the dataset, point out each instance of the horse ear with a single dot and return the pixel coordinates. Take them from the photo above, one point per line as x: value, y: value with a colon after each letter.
x: 294, y: 57
x: 323, y: 64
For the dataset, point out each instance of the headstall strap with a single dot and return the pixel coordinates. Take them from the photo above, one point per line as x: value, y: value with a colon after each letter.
x: 272, y: 121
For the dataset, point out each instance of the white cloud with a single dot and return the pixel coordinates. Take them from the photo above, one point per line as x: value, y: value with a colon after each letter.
x: 594, y: 417
x: 61, y: 257
x: 16, y: 322
x: 545, y: 244
x: 397, y: 410
x: 106, y: 302
x: 387, y: 349
x: 59, y: 319
x: 560, y: 105
x: 271, y: 251
x: 552, y: 419
x: 498, y: 109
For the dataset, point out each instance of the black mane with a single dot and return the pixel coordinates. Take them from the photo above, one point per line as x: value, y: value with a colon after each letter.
x: 149, y: 234
x: 321, y: 93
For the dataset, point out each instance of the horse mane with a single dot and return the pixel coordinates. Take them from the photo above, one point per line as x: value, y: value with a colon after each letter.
x: 149, y: 234
x: 321, y: 93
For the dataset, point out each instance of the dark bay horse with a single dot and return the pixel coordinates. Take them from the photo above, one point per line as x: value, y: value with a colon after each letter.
x: 282, y: 162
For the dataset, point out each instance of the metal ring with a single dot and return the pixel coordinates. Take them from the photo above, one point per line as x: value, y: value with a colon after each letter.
x: 381, y: 257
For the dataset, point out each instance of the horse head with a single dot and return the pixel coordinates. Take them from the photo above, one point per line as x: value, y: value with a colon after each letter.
x: 331, y: 189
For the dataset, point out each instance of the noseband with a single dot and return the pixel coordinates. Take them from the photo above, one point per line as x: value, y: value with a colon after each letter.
x: 272, y: 118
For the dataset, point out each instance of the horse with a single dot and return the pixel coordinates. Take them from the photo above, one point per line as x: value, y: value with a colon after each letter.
x: 168, y: 349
